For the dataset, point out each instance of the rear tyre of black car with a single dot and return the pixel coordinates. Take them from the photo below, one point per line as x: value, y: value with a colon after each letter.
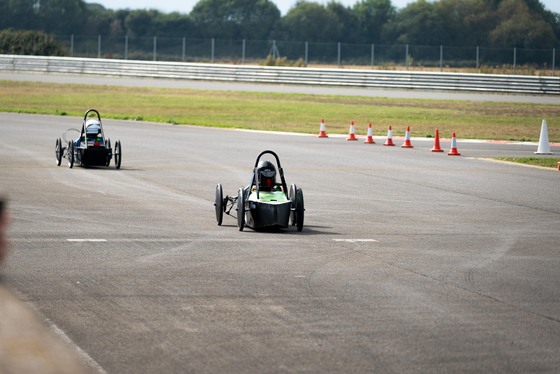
x: 118, y: 154
x: 300, y: 209
x: 109, y: 155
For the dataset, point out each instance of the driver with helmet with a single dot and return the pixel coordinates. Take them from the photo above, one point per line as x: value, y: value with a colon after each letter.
x: 93, y: 133
x: 266, y: 175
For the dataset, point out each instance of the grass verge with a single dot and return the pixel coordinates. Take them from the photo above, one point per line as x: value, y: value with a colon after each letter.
x: 286, y: 112
x: 548, y: 162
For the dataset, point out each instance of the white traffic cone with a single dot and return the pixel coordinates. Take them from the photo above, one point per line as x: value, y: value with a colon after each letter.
x: 544, y: 147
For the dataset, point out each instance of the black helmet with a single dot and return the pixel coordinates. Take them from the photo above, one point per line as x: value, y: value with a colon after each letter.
x: 266, y: 175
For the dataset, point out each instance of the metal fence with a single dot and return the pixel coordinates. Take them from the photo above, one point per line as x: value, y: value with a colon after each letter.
x: 305, y: 53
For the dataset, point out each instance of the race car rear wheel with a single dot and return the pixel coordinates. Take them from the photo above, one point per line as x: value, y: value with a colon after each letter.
x: 70, y: 154
x: 219, y: 204
x: 118, y: 154
x: 300, y: 209
x: 241, y: 209
x: 58, y: 151
x: 292, y: 197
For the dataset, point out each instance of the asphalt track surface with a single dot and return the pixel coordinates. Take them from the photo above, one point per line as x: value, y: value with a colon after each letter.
x: 409, y: 261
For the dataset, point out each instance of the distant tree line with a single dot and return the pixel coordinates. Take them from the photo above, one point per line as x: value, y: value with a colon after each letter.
x: 461, y: 23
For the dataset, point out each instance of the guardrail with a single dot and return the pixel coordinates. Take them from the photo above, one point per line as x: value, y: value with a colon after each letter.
x: 518, y: 84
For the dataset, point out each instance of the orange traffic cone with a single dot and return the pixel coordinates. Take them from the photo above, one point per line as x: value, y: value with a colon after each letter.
x: 352, y: 132
x: 437, y: 147
x: 389, y: 141
x: 322, y: 132
x: 369, y: 139
x: 407, y: 143
x: 454, y: 151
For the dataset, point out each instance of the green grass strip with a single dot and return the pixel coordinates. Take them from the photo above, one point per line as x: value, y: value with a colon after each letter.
x: 548, y: 162
x: 286, y: 112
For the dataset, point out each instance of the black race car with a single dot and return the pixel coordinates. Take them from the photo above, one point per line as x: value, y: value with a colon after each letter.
x: 90, y: 147
x: 264, y: 203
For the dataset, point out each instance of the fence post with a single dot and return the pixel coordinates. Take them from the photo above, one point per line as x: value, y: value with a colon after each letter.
x: 441, y: 58
x: 553, y: 58
x: 306, y: 52
x: 155, y: 47
x: 126, y: 47
x: 184, y: 49
x: 212, y: 52
x: 406, y: 58
x: 338, y: 60
x: 274, y: 52
x: 477, y: 57
x: 372, y: 55
x: 514, y: 57
x: 72, y: 45
x: 98, y: 46
x: 243, y: 53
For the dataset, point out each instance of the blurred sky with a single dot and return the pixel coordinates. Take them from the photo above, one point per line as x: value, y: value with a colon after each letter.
x: 185, y: 6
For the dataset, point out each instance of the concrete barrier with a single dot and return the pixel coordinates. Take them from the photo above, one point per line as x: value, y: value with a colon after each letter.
x: 487, y: 83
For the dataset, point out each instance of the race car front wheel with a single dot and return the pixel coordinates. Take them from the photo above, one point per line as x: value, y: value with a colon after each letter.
x: 219, y: 204
x: 241, y: 209
x: 70, y: 155
x: 58, y: 151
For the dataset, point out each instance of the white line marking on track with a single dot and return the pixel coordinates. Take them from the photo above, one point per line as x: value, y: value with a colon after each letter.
x: 86, y: 240
x: 86, y: 358
x: 356, y: 240
x: 80, y: 352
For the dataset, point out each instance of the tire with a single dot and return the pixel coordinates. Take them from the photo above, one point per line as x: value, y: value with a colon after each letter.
x: 109, y: 155
x: 300, y: 209
x: 71, y: 154
x: 58, y: 151
x: 292, y: 197
x: 219, y: 204
x: 118, y: 154
x: 241, y: 209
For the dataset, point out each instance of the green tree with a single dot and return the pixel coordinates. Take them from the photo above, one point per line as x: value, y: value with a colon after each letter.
x: 174, y: 24
x: 235, y: 19
x: 372, y: 16
x: 35, y: 43
x: 18, y: 14
x: 518, y: 27
x: 418, y: 23
x: 142, y: 23
x: 466, y: 22
x: 60, y: 16
x: 349, y: 31
x: 312, y: 22
x: 100, y: 21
